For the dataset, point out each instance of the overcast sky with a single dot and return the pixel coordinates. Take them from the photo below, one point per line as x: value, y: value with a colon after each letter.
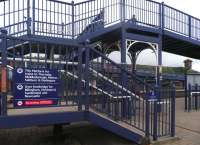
x: 188, y: 6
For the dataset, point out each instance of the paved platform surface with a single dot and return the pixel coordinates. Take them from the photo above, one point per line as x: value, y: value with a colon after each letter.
x: 187, y: 129
x: 187, y: 125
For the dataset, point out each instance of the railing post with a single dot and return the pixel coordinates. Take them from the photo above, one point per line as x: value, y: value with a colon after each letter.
x: 173, y: 111
x: 33, y: 15
x: 186, y: 91
x: 147, y: 119
x: 196, y: 100
x: 123, y: 55
x: 73, y: 15
x: 3, y: 73
x: 162, y: 16
x: 62, y: 29
x: 189, y: 26
x: 122, y: 10
x: 160, y: 45
x: 189, y: 97
x: 87, y: 77
x: 155, y: 115
x: 28, y: 18
x: 80, y: 99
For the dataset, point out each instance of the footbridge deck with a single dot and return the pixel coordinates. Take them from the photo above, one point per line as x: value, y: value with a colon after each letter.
x: 101, y: 20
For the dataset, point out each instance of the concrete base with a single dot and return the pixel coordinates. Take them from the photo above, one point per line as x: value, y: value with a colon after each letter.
x: 163, y: 141
x: 57, y: 131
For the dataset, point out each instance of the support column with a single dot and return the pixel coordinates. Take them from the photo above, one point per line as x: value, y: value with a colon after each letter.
x: 86, y: 76
x: 159, y: 73
x: 158, y: 87
x: 123, y: 55
x: 57, y: 131
x: 73, y: 17
x: 33, y: 15
x: 3, y: 99
x: 123, y: 63
x: 123, y: 35
x: 160, y: 44
x: 104, y: 100
x: 159, y: 61
x: 133, y: 61
x: 173, y: 112
x: 123, y: 47
x: 80, y: 97
x: 28, y: 18
x: 51, y: 57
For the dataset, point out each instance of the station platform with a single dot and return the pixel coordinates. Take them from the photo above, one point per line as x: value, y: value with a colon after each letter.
x: 187, y: 129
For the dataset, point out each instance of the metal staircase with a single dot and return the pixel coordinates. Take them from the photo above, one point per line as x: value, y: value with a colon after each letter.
x: 121, y: 103
x: 124, y: 103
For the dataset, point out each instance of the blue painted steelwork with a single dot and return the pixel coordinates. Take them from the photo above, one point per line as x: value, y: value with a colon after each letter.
x: 173, y: 115
x: 27, y: 53
x: 60, y: 35
x: 22, y: 121
x: 115, y: 128
x: 56, y: 14
x: 94, y: 90
x: 72, y: 20
x: 192, y: 101
x: 130, y: 97
x: 165, y: 76
x: 3, y: 73
x: 150, y: 74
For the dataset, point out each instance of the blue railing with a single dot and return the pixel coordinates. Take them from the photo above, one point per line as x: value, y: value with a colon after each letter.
x: 192, y: 97
x: 90, y: 13
x: 70, y: 20
x: 146, y: 13
x: 14, y: 16
x: 87, y: 84
x: 177, y: 21
x: 125, y: 97
x: 52, y: 18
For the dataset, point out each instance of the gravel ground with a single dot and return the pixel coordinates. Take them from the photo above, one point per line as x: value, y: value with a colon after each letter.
x: 78, y: 134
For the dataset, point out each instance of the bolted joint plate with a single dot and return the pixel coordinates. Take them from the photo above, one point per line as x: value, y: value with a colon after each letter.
x: 3, y: 31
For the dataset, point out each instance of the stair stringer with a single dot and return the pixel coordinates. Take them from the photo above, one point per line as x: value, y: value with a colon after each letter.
x: 115, y: 127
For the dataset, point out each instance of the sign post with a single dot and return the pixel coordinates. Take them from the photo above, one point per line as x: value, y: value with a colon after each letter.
x: 3, y: 98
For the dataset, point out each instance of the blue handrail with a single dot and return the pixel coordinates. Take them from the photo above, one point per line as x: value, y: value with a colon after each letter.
x: 54, y: 13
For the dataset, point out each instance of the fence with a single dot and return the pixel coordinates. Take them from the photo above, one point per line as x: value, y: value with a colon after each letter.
x: 86, y: 83
x: 125, y: 98
x: 37, y: 55
x: 72, y: 20
x: 193, y: 98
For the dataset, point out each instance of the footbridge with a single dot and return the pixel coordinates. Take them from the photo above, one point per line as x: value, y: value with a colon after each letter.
x: 49, y: 51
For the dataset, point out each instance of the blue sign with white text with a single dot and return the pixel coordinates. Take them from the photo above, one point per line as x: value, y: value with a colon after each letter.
x: 152, y: 96
x: 35, y: 87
